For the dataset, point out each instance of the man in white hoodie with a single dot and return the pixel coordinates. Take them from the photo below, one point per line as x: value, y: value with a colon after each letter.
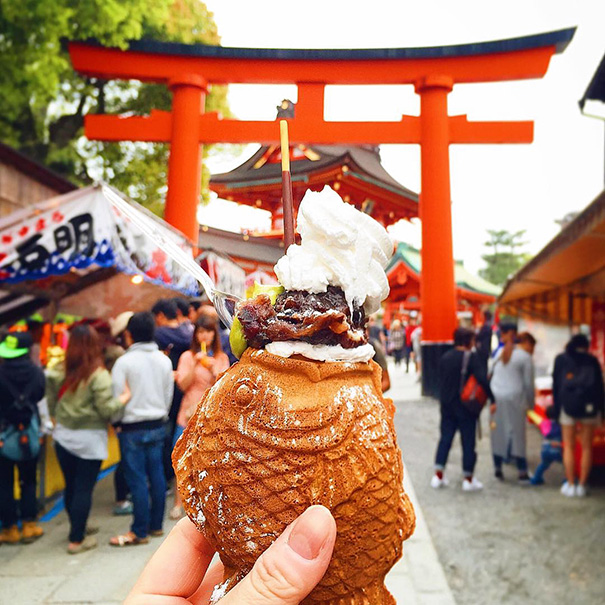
x: 148, y: 373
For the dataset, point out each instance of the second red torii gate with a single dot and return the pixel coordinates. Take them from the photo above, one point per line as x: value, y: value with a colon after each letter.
x: 188, y: 70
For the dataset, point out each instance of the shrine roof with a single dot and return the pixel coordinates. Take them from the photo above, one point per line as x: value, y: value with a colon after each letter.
x: 240, y: 245
x: 412, y: 258
x: 571, y: 263
x: 364, y: 158
x: 35, y: 170
x: 596, y: 88
x: 559, y: 39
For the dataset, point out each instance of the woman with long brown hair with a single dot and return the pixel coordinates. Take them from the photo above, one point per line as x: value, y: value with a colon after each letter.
x: 81, y: 401
x: 197, y: 371
x: 512, y: 384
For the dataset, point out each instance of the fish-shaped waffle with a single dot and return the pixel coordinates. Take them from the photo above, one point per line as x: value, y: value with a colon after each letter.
x: 274, y: 436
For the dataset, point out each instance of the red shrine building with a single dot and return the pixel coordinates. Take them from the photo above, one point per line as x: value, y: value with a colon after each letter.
x: 473, y: 293
x: 188, y: 71
x: 354, y: 171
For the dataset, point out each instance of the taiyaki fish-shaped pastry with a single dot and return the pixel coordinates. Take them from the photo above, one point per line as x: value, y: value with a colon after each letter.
x: 275, y: 435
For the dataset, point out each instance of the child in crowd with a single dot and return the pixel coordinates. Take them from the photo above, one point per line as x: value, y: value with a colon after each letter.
x: 551, y: 451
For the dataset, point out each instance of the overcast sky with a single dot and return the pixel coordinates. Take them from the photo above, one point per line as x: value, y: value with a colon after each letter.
x: 493, y: 186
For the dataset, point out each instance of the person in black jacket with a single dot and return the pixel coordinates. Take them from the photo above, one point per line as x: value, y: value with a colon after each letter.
x: 578, y: 398
x: 483, y: 342
x: 19, y: 375
x: 454, y: 415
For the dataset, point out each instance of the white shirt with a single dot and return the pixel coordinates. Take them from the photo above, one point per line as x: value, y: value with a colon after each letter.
x: 89, y: 444
x: 149, y: 375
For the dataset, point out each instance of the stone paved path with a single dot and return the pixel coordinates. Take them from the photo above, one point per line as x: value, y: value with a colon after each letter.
x: 509, y: 544
x: 44, y: 573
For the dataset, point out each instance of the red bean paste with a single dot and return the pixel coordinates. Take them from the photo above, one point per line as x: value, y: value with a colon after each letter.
x: 324, y: 318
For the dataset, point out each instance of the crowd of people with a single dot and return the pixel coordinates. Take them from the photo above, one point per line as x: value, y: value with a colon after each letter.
x: 505, y: 374
x: 505, y: 381
x: 142, y: 373
x: 401, y: 340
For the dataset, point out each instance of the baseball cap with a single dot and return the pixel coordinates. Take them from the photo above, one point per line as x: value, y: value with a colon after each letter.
x: 15, y: 344
x: 118, y: 324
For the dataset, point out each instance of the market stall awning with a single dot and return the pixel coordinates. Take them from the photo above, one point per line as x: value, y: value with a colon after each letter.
x: 559, y: 284
x: 80, y: 253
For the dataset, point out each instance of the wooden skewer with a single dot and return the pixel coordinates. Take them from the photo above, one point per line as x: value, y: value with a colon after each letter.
x: 286, y: 184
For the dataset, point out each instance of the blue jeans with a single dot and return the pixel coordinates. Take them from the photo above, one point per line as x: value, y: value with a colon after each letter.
x: 142, y: 453
x: 452, y: 420
x: 550, y: 454
x: 178, y: 431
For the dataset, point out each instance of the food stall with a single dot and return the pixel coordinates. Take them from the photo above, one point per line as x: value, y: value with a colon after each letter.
x: 564, y: 285
x: 78, y: 254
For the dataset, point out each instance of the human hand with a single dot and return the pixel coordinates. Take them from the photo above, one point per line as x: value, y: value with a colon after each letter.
x: 284, y: 574
x: 125, y: 395
x: 492, y: 409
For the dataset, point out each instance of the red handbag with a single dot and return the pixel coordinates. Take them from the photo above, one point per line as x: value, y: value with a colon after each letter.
x: 472, y: 394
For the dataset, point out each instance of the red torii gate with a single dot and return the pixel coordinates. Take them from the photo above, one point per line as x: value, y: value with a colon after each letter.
x: 189, y: 69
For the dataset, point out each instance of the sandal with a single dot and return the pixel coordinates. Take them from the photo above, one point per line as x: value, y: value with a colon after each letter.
x: 128, y: 539
x: 88, y: 543
x: 156, y: 533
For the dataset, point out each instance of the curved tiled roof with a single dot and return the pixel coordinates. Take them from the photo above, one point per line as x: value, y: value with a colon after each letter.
x: 365, y: 158
x: 560, y: 39
x: 464, y: 278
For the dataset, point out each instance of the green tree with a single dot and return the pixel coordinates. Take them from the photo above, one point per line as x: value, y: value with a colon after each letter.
x: 43, y: 101
x: 505, y: 255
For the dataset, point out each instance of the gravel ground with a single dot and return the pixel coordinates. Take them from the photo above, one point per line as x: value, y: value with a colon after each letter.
x: 508, y: 543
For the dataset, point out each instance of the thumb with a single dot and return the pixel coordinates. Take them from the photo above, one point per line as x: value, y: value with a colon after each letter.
x: 292, y: 566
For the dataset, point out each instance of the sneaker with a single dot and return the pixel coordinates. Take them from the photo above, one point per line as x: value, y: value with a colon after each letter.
x: 31, y: 532
x: 568, y: 489
x: 436, y: 483
x: 524, y: 479
x: 581, y: 491
x: 499, y: 474
x: 473, y: 485
x: 123, y: 508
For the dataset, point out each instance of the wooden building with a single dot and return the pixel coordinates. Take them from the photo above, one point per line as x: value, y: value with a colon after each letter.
x: 354, y: 171
x: 24, y: 182
x: 473, y: 293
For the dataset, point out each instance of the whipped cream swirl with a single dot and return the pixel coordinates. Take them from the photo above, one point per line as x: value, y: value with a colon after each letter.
x: 288, y: 348
x: 340, y: 246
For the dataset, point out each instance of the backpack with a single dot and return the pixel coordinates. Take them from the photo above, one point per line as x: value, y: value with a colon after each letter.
x: 472, y: 395
x: 577, y: 391
x: 22, y: 441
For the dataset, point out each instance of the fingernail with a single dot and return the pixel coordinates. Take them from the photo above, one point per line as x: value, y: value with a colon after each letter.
x: 310, y: 532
